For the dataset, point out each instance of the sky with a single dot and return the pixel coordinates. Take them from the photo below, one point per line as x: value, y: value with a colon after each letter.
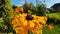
x: 48, y: 3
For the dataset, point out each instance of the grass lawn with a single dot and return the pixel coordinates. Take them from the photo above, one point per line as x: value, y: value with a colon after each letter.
x: 54, y: 15
x: 56, y: 30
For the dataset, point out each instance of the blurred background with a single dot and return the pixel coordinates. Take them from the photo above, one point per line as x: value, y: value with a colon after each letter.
x: 48, y: 8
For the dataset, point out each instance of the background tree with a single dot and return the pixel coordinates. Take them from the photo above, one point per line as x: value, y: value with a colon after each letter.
x: 41, y: 9
x: 51, y: 10
x: 26, y: 6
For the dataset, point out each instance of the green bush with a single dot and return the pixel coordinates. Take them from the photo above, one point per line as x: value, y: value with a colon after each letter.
x: 5, y: 15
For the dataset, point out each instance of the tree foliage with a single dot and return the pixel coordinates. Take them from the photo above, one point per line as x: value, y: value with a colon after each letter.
x: 41, y: 9
x: 38, y: 9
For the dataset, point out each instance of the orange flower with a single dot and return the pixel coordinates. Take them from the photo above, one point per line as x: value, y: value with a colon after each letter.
x: 14, y: 22
x: 25, y: 25
x: 31, y: 24
x: 49, y: 27
x: 19, y: 30
x: 37, y: 29
x: 19, y: 8
x: 15, y: 26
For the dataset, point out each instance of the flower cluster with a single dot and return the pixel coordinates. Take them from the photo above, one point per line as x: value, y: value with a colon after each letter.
x: 21, y: 25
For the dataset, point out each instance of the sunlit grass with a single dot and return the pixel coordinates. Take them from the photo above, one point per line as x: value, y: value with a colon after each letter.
x: 54, y: 15
x: 56, y: 30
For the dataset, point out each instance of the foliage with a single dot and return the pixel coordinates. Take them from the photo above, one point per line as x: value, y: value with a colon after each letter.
x: 5, y: 15
x: 41, y: 9
x: 26, y: 7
